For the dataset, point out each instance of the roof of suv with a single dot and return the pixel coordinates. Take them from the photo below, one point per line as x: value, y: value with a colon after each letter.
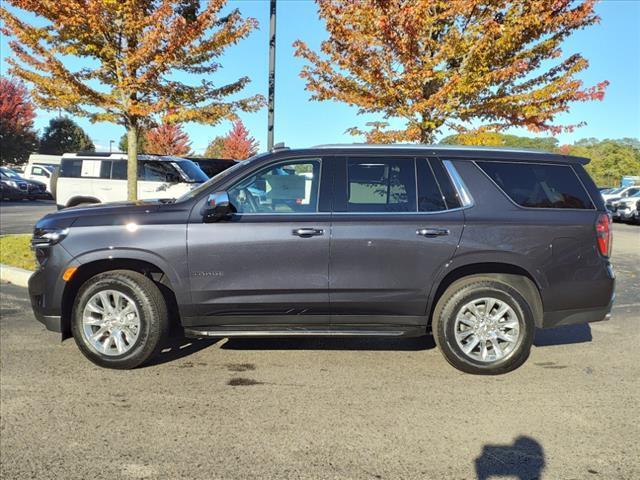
x: 458, y: 151
x: 120, y: 156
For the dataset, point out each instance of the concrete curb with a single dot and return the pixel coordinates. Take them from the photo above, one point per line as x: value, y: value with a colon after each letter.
x: 14, y: 275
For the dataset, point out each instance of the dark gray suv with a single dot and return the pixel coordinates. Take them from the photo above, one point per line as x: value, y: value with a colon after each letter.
x: 476, y: 246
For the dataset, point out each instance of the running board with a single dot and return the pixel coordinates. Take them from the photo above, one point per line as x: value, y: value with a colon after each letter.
x: 297, y: 332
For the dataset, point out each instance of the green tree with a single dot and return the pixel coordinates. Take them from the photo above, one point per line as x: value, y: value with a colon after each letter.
x: 610, y: 159
x: 214, y: 149
x: 123, y: 144
x: 64, y: 135
x: 494, y: 139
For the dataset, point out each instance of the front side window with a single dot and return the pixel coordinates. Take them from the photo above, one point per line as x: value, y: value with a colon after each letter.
x: 381, y: 185
x: 157, y: 171
x: 538, y: 185
x: 290, y: 187
x: 38, y: 171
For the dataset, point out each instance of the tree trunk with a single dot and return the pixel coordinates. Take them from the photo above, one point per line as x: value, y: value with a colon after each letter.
x: 132, y: 162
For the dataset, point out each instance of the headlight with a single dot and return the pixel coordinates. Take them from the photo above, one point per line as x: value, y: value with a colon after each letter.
x: 48, y: 237
x: 11, y: 183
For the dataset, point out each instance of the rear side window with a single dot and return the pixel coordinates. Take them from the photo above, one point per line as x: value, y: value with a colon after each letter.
x: 105, y: 169
x: 70, y: 168
x: 537, y: 185
x: 119, y: 170
x: 381, y: 185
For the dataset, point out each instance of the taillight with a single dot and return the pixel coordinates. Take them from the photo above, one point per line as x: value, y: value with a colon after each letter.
x: 604, y: 234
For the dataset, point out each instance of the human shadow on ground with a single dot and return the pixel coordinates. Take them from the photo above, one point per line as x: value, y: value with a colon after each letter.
x: 523, y: 460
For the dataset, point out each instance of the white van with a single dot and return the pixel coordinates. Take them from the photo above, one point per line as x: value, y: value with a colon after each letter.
x: 41, y: 168
x: 102, y: 177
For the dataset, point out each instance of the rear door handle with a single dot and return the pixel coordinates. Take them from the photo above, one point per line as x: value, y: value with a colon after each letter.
x: 432, y: 232
x: 308, y: 232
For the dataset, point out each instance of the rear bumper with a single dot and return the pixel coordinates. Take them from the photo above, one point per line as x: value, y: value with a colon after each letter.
x: 573, y: 317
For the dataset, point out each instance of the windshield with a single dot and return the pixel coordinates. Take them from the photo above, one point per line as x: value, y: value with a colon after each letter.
x: 190, y: 171
x: 7, y: 172
x: 238, y: 166
x: 616, y: 190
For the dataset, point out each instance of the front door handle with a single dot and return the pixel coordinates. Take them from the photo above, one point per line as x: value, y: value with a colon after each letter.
x: 308, y: 232
x: 432, y: 232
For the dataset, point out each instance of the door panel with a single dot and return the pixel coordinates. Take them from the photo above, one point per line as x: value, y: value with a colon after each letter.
x: 270, y: 259
x: 384, y: 252
x: 380, y: 265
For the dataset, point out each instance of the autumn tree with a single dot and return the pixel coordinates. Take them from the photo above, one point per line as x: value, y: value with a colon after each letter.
x: 238, y: 144
x: 215, y: 147
x: 495, y: 139
x: 17, y: 112
x: 64, y: 135
x: 131, y: 50
x: 167, y: 139
x: 428, y: 64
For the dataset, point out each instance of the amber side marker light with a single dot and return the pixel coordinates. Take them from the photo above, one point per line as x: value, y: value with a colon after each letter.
x: 68, y: 273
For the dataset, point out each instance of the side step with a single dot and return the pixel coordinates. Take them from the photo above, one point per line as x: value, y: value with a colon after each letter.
x: 261, y: 331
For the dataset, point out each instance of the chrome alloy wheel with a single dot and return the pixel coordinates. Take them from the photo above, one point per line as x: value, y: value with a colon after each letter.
x: 487, y: 329
x: 111, y: 322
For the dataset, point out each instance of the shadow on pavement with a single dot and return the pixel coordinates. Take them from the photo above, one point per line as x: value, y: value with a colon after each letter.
x: 563, y: 335
x: 344, y: 343
x: 178, y: 346
x: 523, y: 460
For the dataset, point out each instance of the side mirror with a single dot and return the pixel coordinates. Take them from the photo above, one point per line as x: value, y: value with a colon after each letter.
x: 218, y: 207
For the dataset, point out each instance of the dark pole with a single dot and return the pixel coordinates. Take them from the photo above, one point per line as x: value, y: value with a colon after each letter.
x: 272, y: 73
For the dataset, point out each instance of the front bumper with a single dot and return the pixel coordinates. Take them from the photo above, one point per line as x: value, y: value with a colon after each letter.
x: 46, y: 290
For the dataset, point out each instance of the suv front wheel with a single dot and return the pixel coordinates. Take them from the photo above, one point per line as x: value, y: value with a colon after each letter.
x: 483, y: 326
x: 119, y: 319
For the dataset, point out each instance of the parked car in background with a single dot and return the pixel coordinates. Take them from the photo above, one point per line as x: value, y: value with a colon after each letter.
x: 477, y: 246
x: 212, y: 166
x: 91, y: 177
x: 620, y: 192
x: 15, y: 187
x: 625, y: 209
x: 41, y: 173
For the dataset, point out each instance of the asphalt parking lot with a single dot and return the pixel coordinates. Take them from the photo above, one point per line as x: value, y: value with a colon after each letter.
x: 318, y: 408
x: 20, y: 216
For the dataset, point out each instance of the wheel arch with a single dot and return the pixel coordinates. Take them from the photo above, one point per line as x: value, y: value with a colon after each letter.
x: 77, y: 200
x: 508, y: 273
x: 89, y: 269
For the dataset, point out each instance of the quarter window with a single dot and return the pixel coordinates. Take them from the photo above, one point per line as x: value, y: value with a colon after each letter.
x: 381, y: 185
x: 538, y: 185
x: 290, y: 187
x: 430, y: 197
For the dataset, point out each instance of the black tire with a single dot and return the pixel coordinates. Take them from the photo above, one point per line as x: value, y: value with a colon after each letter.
x: 152, y: 309
x: 466, y: 290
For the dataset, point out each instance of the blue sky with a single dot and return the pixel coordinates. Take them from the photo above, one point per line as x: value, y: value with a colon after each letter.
x: 612, y: 48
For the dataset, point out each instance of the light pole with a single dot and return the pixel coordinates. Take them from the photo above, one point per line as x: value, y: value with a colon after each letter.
x: 272, y: 73
x: 111, y: 142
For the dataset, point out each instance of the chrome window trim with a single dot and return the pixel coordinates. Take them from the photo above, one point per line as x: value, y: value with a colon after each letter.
x: 466, y: 200
x: 593, y: 209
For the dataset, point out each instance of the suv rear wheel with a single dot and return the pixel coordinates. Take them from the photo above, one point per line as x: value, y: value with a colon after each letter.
x: 483, y: 326
x: 119, y: 319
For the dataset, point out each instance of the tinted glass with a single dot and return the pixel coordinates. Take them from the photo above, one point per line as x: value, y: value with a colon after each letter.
x: 70, y: 167
x: 156, y: 171
x: 105, y: 169
x: 284, y: 188
x: 190, y: 171
x: 537, y: 185
x: 119, y: 170
x: 448, y: 190
x: 430, y: 198
x: 381, y: 185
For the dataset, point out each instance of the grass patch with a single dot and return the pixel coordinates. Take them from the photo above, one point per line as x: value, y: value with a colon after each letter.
x: 15, y: 250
